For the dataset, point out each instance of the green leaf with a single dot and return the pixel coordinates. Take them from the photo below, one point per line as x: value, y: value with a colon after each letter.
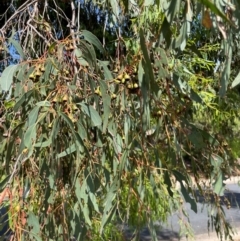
x: 181, y: 85
x: 92, y: 113
x: 30, y: 136
x: 218, y: 185
x: 148, y: 3
x: 162, y: 55
x: 22, y: 100
x: 91, y: 38
x: 68, y: 151
x: 33, y: 222
x: 108, y: 216
x: 148, y: 66
x: 18, y: 47
x: 78, y: 53
x: 75, y: 134
x: 180, y: 178
x: 214, y: 9
x: 89, y: 54
x: 109, y: 207
x: 227, y: 68
x: 236, y: 81
x: 82, y: 62
x: 9, y: 104
x: 166, y: 33
x: 188, y: 198
x: 85, y: 210
x: 172, y: 8
x: 180, y: 41
x: 52, y: 48
x: 217, y: 175
x: 195, y: 97
x: 44, y: 103
x: 107, y: 73
x: 115, y: 7
x: 33, y: 115
x: 106, y: 104
x: 6, y: 79
x: 44, y: 143
x: 4, y: 183
x: 94, y: 201
x: 81, y: 193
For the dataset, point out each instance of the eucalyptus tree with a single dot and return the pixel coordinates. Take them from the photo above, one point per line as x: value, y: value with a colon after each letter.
x: 94, y: 133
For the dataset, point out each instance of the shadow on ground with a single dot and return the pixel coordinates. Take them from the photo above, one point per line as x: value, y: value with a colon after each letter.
x: 162, y: 234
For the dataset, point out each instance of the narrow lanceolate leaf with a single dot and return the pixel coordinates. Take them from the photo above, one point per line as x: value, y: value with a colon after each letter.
x: 107, y: 73
x: 6, y: 79
x: 217, y: 175
x: 82, y: 196
x: 172, y: 8
x: 77, y: 137
x: 91, y: 38
x: 4, y: 183
x: 33, y: 222
x: 94, y: 201
x: 147, y: 65
x: 236, y: 81
x: 68, y: 151
x: 115, y: 7
x: 33, y: 115
x: 23, y: 99
x: 92, y: 113
x: 44, y: 143
x: 30, y: 136
x: 182, y: 179
x: 109, y: 206
x: 163, y: 56
x: 18, y: 47
x: 227, y: 68
x: 218, y: 185
x: 148, y: 3
x: 106, y: 104
x: 44, y: 103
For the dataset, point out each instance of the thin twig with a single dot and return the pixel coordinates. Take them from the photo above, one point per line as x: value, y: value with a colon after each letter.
x: 78, y: 20
x: 20, y: 9
x: 16, y: 168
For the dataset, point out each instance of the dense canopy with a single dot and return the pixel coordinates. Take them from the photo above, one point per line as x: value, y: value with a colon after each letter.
x: 116, y: 112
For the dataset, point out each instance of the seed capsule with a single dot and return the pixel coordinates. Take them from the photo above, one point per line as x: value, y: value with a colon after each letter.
x: 38, y: 74
x: 123, y: 80
x: 71, y: 47
x: 65, y: 98
x: 74, y: 107
x: 126, y: 77
x: 113, y: 96
x: 31, y: 76
x: 117, y: 81
x: 42, y: 68
x: 130, y: 86
x: 55, y: 99
x: 97, y: 91
x: 120, y: 77
x: 135, y: 85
